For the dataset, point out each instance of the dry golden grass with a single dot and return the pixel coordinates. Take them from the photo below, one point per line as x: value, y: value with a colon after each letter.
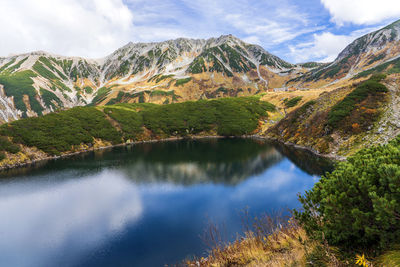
x: 389, y: 259
x: 286, y: 246
x: 277, y: 98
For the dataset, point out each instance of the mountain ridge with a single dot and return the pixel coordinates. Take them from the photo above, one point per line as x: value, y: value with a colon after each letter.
x: 178, y: 70
x: 365, y: 52
x: 135, y: 71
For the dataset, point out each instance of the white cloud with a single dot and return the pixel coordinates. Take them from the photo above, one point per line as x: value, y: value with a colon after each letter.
x: 324, y: 47
x: 79, y: 212
x: 362, y: 11
x: 252, y: 39
x: 70, y: 27
x: 95, y: 28
x: 279, y: 23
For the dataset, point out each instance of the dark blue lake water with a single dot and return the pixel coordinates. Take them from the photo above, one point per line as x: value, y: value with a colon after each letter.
x: 147, y: 204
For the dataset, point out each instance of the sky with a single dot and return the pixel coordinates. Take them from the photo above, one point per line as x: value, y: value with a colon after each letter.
x: 295, y: 30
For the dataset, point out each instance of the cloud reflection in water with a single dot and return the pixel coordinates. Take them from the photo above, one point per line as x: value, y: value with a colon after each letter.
x: 98, y: 207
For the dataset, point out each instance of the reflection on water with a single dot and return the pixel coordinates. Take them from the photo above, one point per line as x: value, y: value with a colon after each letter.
x: 40, y: 220
x: 142, y: 205
x: 305, y: 160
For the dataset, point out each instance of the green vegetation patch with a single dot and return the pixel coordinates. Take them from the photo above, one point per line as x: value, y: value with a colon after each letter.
x: 60, y: 132
x: 130, y: 121
x: 141, y: 63
x: 389, y: 67
x: 390, y: 258
x: 377, y: 58
x: 117, y: 99
x: 123, y: 69
x: 6, y: 145
x: 236, y: 61
x: 356, y: 206
x: 163, y: 77
x: 88, y: 89
x: 231, y: 116
x: 19, y: 84
x: 211, y: 55
x: 101, y: 94
x: 55, y: 133
x: 43, y: 71
x: 5, y: 66
x: 369, y: 89
x: 16, y: 66
x: 289, y: 103
x: 162, y: 93
x: 49, y: 98
x: 182, y: 81
x: 311, y: 64
x: 48, y: 63
x: 197, y: 66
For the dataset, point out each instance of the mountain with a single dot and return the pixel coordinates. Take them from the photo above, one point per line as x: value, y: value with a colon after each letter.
x: 172, y: 71
x: 179, y: 70
x: 378, y: 51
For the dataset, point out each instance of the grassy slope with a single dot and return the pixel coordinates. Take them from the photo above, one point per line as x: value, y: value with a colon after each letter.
x: 81, y: 128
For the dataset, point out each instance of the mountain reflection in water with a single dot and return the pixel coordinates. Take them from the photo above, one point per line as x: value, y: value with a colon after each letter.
x: 141, y: 205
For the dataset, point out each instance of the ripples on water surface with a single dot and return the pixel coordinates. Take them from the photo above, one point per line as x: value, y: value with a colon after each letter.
x: 144, y: 205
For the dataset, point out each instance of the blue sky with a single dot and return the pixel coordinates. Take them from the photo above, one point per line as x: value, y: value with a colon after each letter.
x: 296, y: 31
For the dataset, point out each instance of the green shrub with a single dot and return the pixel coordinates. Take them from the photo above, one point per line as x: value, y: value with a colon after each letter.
x: 182, y: 81
x: 357, y: 206
x: 130, y: 121
x: 55, y: 133
x: 6, y: 145
x: 231, y: 116
x: 289, y: 103
x: 344, y: 108
x: 58, y: 132
x: 163, y: 77
x: 179, y: 118
x: 378, y: 77
x: 88, y: 89
x: 117, y: 99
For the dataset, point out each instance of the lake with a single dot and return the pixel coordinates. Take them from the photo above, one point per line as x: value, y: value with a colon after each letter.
x: 145, y: 204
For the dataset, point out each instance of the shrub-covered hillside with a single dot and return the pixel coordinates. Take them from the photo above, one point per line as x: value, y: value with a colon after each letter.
x: 336, y: 120
x: 81, y: 127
